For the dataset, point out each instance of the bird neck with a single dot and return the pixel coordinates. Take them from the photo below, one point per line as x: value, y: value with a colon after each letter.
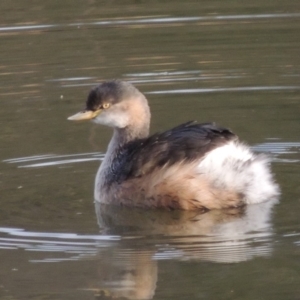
x: 122, y: 136
x: 119, y: 139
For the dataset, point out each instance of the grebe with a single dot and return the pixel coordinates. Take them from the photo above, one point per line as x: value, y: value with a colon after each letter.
x: 192, y: 166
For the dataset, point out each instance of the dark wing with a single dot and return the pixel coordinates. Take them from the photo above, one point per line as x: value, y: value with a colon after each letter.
x: 188, y: 141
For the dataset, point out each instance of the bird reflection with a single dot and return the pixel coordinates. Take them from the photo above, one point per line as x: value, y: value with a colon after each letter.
x: 129, y: 271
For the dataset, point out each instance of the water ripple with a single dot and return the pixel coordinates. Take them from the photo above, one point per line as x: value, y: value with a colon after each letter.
x: 70, y: 79
x: 51, y: 159
x: 46, y: 160
x: 190, y: 19
x: 230, y: 89
x: 24, y: 28
x: 161, y: 80
x: 153, y: 20
x: 278, y: 148
x: 69, y: 243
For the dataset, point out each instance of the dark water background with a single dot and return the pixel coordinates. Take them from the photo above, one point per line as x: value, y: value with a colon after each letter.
x: 233, y: 62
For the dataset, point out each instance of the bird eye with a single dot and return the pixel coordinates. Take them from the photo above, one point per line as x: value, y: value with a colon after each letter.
x: 106, y: 105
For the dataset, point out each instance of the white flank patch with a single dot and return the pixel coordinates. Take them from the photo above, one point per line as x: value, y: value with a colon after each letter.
x: 235, y: 167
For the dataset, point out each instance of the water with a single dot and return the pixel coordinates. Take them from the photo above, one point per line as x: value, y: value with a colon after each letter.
x: 236, y: 63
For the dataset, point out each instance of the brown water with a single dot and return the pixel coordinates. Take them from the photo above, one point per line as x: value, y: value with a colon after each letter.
x: 236, y: 63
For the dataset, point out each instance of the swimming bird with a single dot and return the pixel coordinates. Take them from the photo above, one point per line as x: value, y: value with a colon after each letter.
x: 191, y: 166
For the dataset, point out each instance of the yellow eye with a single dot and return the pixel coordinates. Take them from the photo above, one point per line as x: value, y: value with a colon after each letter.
x: 106, y: 105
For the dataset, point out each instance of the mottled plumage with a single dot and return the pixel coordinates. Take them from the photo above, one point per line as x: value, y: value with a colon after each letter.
x: 192, y: 166
x: 187, y: 142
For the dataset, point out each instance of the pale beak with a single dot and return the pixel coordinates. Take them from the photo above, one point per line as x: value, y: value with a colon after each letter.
x: 85, y: 115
